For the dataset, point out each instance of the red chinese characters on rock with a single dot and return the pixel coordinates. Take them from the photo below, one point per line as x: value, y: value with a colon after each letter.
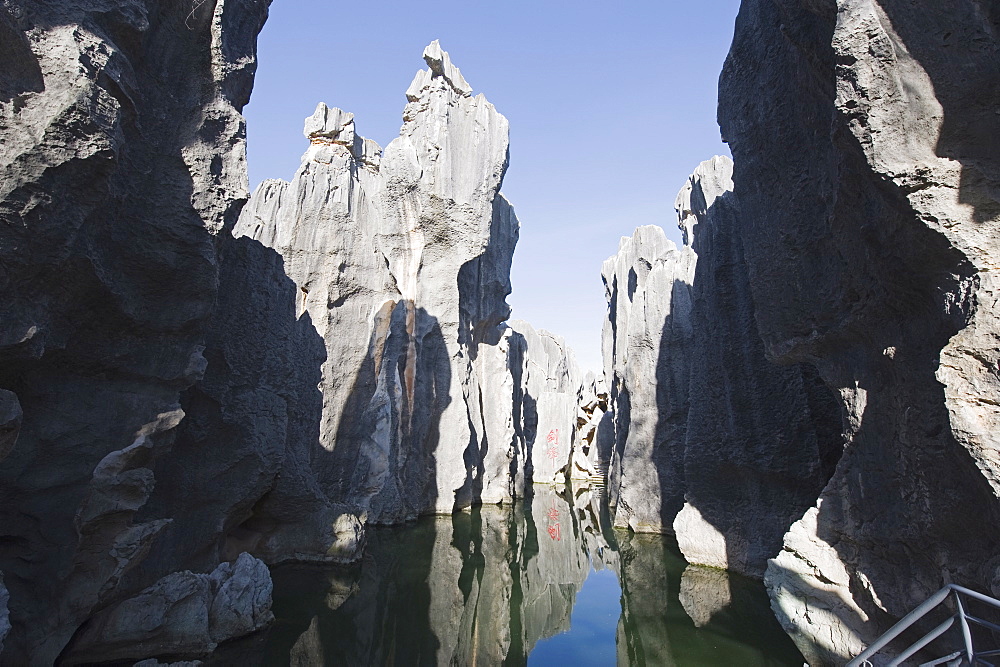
x: 554, y: 529
x: 552, y: 440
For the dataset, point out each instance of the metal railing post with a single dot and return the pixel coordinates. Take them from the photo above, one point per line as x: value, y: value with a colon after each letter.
x: 970, y: 653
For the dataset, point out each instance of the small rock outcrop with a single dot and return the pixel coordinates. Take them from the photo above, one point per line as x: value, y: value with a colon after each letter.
x: 863, y: 134
x: 182, y: 615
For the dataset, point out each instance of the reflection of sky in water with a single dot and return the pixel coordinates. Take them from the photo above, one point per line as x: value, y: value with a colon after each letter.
x: 545, y: 582
x: 591, y: 637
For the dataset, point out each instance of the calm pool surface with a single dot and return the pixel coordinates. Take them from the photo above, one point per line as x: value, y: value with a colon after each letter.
x: 540, y: 583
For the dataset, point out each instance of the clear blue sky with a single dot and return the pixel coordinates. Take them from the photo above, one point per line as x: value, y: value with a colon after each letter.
x: 611, y: 106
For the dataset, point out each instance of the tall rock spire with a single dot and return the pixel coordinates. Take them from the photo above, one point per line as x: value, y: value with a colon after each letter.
x: 401, y: 259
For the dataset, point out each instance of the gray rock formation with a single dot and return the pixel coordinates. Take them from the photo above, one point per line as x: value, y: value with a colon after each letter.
x: 712, y: 441
x: 645, y: 342
x: 549, y: 388
x: 761, y: 440
x: 407, y: 250
x: 182, y: 615
x: 180, y: 384
x: 594, y: 430
x: 864, y: 140
x: 121, y: 156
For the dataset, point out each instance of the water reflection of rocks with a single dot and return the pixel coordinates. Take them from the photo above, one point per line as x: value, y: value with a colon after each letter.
x: 482, y: 587
x: 679, y: 614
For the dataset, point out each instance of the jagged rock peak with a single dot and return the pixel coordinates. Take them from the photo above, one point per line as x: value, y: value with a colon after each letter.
x: 335, y: 127
x: 648, y: 242
x: 710, y: 180
x: 410, y: 255
x: 333, y: 124
x: 441, y: 67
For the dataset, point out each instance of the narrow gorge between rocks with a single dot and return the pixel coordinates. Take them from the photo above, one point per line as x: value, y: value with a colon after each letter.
x: 303, y: 426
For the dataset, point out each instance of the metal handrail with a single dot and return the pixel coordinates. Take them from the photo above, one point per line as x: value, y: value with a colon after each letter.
x: 968, y: 654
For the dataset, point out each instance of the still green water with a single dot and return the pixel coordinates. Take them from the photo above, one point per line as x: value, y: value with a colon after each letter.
x: 545, y: 582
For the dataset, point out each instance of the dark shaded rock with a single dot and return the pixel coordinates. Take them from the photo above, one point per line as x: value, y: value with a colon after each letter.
x: 10, y: 421
x: 121, y: 155
x: 4, y: 612
x: 761, y: 439
x: 713, y: 442
x: 865, y: 166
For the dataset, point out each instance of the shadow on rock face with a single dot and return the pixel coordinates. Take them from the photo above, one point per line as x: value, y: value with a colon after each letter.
x: 21, y: 72
x: 108, y: 281
x: 673, y: 379
x: 761, y: 439
x: 865, y: 267
x: 259, y: 404
x: 525, y: 414
x: 384, y: 458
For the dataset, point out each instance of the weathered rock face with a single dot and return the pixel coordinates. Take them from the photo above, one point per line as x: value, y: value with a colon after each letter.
x: 4, y: 612
x: 761, y: 440
x: 864, y: 139
x: 595, y: 437
x: 407, y: 250
x: 121, y: 155
x: 645, y: 344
